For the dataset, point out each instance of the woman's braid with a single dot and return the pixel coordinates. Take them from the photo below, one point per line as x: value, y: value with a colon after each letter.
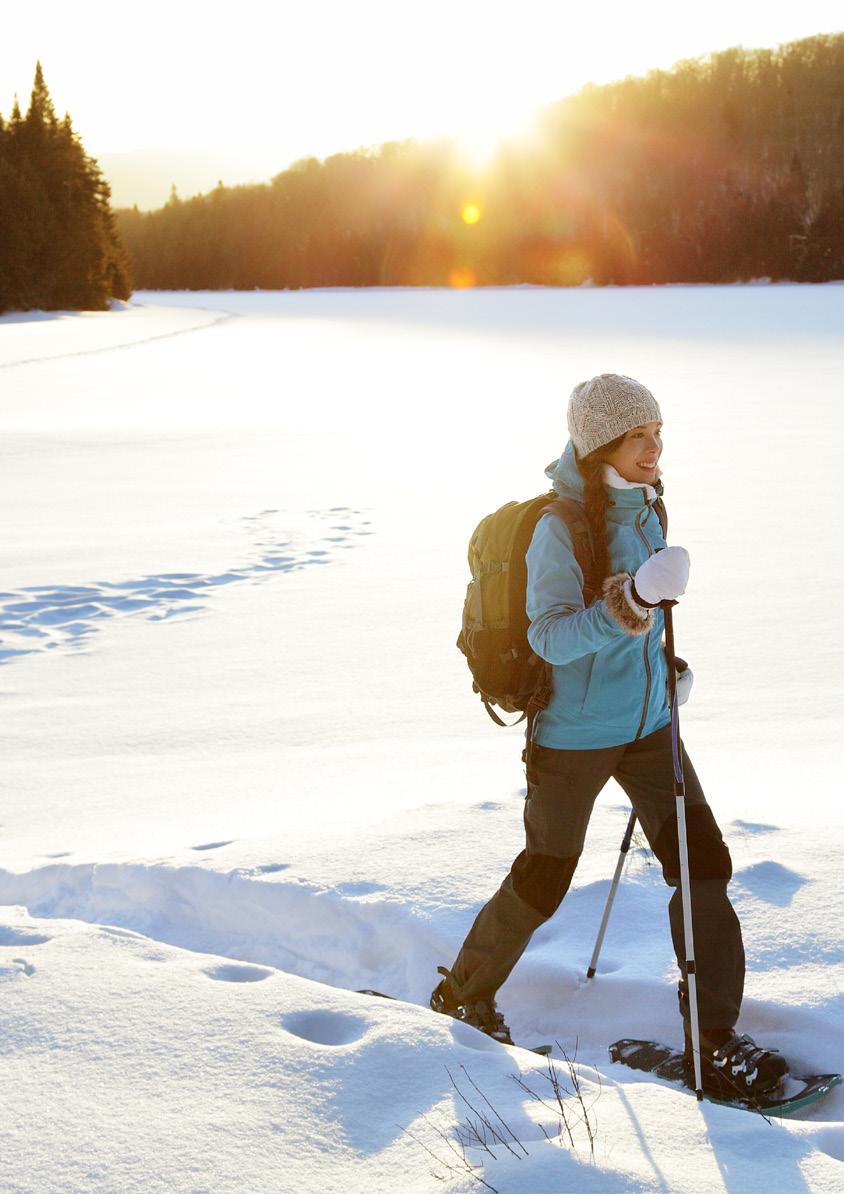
x: 597, y: 502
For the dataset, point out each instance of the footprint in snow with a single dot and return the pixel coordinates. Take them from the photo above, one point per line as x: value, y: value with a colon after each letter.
x: 25, y: 967
x: 10, y: 936
x: 212, y: 845
x: 755, y: 827
x: 123, y: 934
x: 238, y: 972
x: 831, y: 1142
x: 38, y: 618
x: 771, y: 882
x: 359, y: 888
x: 325, y: 1027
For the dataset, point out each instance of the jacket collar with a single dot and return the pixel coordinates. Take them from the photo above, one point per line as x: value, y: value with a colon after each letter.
x: 567, y: 482
x: 614, y: 479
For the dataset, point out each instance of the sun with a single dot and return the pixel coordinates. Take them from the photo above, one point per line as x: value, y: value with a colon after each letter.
x: 480, y: 140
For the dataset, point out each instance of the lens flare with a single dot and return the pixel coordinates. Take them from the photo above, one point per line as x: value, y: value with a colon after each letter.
x: 461, y: 278
x: 572, y: 267
x: 471, y: 213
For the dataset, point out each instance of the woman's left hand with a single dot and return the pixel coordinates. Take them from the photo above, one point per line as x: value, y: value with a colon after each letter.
x: 684, y: 679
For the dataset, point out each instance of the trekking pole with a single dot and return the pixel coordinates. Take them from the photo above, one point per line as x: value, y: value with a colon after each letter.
x: 682, y: 843
x: 619, y: 866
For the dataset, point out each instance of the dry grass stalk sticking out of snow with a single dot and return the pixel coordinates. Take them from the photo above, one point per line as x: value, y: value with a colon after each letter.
x: 485, y: 1130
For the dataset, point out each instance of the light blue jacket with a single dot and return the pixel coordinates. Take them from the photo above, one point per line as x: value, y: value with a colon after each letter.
x: 609, y: 687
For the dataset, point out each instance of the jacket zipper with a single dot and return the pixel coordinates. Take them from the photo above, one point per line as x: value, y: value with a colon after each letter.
x: 646, y: 645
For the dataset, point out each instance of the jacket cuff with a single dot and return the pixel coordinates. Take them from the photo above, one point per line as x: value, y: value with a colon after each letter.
x: 640, y: 601
x: 623, y: 610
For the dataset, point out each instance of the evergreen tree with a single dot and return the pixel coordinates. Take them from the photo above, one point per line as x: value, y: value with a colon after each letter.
x: 59, y: 246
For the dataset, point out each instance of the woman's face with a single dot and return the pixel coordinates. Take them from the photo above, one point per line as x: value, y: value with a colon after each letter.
x: 637, y: 456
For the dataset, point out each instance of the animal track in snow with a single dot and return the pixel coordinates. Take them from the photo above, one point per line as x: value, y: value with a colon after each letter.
x: 39, y: 618
x: 325, y: 1027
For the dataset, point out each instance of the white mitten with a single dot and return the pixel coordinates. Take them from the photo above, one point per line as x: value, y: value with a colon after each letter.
x: 685, y: 680
x: 662, y: 577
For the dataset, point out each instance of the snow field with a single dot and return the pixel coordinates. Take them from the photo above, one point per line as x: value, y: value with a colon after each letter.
x: 354, y: 933
x: 245, y: 773
x: 47, y: 336
x: 214, y: 1075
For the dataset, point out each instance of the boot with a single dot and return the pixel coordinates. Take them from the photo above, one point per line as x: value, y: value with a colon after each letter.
x: 482, y: 1014
x: 734, y: 1066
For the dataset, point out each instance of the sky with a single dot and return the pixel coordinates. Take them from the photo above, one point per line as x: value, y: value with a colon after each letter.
x: 255, y: 86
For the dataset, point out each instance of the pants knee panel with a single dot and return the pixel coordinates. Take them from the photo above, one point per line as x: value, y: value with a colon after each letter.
x: 709, y: 857
x: 542, y: 880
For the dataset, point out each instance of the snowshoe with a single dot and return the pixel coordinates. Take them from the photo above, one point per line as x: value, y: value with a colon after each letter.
x: 672, y: 1065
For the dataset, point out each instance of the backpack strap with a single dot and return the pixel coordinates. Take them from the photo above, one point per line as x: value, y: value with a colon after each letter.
x: 662, y: 515
x: 574, y: 516
x: 498, y: 721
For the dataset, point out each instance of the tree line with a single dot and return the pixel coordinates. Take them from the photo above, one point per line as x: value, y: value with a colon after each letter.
x: 722, y: 169
x: 59, y: 246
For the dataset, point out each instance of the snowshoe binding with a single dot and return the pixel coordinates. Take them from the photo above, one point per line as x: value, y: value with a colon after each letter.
x: 736, y: 1068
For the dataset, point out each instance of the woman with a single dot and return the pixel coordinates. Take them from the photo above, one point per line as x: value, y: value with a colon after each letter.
x: 609, y: 717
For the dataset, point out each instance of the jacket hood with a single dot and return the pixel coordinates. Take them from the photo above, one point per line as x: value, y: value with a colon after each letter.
x: 567, y: 481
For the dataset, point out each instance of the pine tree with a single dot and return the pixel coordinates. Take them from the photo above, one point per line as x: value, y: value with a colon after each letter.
x: 60, y: 247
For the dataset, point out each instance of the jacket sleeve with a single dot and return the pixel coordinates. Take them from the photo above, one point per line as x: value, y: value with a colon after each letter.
x: 561, y: 628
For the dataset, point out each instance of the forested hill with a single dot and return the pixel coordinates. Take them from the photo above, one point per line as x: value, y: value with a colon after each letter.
x: 724, y: 168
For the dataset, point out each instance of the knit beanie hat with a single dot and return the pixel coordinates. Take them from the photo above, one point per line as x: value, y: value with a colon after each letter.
x: 605, y: 407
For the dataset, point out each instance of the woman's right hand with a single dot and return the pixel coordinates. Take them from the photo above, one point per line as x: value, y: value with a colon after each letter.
x: 662, y: 577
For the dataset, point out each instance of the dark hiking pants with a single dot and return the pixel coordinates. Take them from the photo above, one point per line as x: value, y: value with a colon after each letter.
x: 562, y: 787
